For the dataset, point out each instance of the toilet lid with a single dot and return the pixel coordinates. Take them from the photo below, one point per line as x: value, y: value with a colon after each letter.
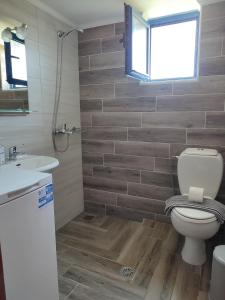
x: 193, y: 213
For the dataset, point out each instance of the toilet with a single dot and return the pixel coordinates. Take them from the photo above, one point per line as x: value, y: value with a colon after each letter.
x: 201, y: 168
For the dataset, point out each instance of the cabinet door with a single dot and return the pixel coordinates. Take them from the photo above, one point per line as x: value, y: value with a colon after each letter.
x: 27, y: 238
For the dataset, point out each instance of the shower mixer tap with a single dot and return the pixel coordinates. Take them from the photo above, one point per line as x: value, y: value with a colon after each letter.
x: 66, y: 130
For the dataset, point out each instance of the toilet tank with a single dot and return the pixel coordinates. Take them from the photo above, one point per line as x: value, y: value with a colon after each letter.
x: 200, y: 168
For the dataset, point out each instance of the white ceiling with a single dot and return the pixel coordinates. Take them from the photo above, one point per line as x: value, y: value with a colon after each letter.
x: 84, y: 13
x: 88, y: 13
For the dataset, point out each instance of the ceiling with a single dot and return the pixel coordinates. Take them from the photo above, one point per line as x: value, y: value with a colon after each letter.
x: 84, y: 13
x: 89, y: 13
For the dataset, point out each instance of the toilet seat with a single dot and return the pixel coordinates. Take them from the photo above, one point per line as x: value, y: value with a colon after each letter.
x: 193, y: 215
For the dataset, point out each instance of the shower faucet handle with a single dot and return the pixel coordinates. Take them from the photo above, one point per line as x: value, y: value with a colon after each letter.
x: 68, y: 131
x: 76, y: 129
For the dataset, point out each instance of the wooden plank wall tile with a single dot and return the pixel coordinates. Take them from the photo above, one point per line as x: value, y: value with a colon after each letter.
x: 133, y: 132
x: 107, y: 60
x: 139, y: 203
x: 174, y: 119
x: 213, y: 28
x: 129, y: 119
x: 214, y: 137
x: 211, y: 47
x: 133, y: 89
x: 85, y: 119
x: 142, y: 149
x: 105, y: 184
x: 155, y: 178
x: 91, y: 105
x: 96, y: 146
x: 112, y: 44
x: 149, y: 191
x: 92, y: 158
x: 214, y: 102
x: 215, y: 119
x: 84, y: 63
x: 97, y: 91
x: 212, y: 66
x: 160, y: 135
x: 129, y: 161
x: 119, y: 28
x: 102, y: 76
x: 89, y: 47
x: 140, y: 104
x: 96, y: 33
x: 105, y: 133
x: 101, y: 197
x: 117, y: 173
x: 213, y: 11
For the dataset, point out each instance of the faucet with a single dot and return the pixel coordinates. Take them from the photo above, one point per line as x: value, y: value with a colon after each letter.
x: 66, y: 130
x: 13, y: 153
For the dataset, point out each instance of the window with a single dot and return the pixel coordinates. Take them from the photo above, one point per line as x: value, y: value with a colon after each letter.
x: 15, y: 57
x: 161, y: 49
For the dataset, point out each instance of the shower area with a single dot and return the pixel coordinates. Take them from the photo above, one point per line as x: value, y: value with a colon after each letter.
x: 65, y: 128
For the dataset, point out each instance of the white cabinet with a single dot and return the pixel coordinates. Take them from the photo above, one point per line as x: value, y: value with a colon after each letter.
x: 27, y: 240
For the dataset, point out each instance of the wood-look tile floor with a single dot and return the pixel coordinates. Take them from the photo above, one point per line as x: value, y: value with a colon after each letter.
x: 92, y: 251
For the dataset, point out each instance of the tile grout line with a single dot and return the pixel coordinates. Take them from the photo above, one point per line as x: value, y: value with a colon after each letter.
x: 101, y: 39
x: 222, y: 47
x: 89, y: 62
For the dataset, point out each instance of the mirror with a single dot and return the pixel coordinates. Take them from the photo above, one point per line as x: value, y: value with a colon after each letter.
x: 13, y: 67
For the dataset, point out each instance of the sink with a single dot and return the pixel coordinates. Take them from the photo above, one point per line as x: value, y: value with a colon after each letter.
x: 35, y: 163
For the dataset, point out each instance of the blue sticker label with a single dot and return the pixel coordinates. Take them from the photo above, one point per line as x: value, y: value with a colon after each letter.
x: 45, y: 196
x: 49, y: 189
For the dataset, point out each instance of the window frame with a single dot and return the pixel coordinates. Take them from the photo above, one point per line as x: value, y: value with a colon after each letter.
x: 129, y: 13
x: 152, y: 23
x: 8, y: 60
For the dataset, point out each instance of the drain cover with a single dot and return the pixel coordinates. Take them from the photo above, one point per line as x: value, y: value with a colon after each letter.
x: 88, y: 217
x: 127, y: 272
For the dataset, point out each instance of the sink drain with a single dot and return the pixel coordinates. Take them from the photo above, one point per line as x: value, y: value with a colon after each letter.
x: 127, y: 272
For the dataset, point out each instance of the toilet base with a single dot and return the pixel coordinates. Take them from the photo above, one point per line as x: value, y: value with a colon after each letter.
x: 193, y: 251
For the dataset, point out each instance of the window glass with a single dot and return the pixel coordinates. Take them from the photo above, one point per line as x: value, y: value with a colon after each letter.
x: 163, y: 48
x: 173, y: 49
x: 139, y: 46
x: 18, y: 59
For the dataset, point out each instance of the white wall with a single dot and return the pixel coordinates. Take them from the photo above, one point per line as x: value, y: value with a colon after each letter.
x: 32, y: 133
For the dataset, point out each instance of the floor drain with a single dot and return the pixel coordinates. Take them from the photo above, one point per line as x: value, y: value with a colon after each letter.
x: 88, y: 217
x: 127, y: 272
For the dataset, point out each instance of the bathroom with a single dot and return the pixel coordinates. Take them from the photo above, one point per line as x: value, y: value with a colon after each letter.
x: 111, y: 134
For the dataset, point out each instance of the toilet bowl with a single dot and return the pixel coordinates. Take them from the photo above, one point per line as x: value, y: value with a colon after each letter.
x: 197, y: 226
x: 197, y: 168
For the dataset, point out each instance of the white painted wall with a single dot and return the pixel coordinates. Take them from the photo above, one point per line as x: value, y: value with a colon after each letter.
x: 32, y: 133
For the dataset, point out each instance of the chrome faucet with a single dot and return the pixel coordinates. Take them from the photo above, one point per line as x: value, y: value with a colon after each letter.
x: 66, y: 130
x: 13, y: 153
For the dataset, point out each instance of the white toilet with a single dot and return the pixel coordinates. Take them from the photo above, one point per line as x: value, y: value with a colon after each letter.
x: 201, y: 168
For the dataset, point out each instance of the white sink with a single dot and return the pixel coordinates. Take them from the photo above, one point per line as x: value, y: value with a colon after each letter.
x: 35, y: 163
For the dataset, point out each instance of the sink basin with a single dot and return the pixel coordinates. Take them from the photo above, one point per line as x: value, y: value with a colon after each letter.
x: 35, y: 163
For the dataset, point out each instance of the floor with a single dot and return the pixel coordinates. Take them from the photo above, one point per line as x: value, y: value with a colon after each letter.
x: 93, y: 250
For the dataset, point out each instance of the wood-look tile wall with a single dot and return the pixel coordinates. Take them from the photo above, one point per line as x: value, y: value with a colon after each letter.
x: 132, y: 132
